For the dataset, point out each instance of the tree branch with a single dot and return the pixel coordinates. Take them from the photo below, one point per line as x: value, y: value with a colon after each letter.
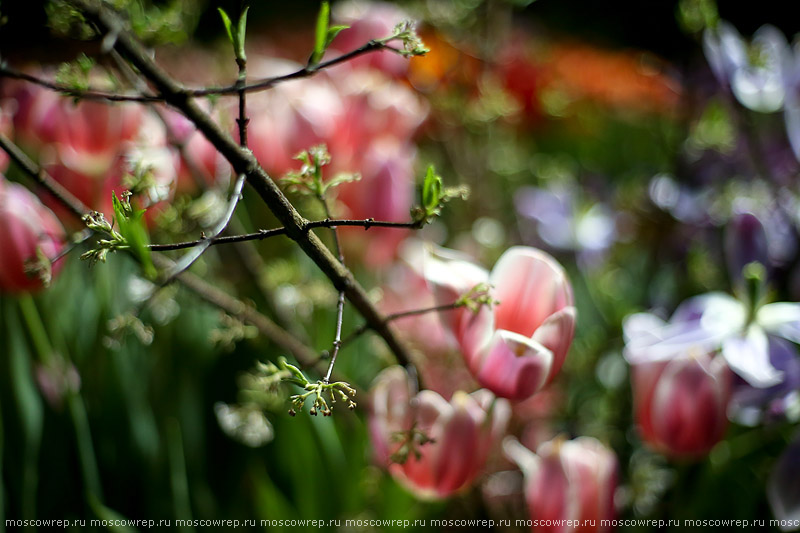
x: 244, y: 162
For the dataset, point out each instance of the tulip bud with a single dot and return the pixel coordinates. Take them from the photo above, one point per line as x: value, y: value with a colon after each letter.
x: 745, y: 242
x: 680, y: 405
x: 431, y: 446
x: 29, y: 232
x: 568, y: 481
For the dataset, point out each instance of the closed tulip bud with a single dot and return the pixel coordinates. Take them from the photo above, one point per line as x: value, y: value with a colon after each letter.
x: 569, y: 485
x: 680, y: 405
x: 29, y: 232
x: 433, y: 447
x: 514, y: 347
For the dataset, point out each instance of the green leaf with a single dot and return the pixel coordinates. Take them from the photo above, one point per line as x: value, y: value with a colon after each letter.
x: 115, y: 520
x: 240, y: 34
x: 333, y: 31
x: 132, y: 229
x: 431, y: 189
x: 323, y: 20
x: 226, y: 20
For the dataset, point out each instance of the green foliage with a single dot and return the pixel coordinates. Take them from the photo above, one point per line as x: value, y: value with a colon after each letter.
x: 324, y: 33
x: 75, y: 74
x: 309, y: 179
x: 236, y: 34
x: 434, y: 197
x: 696, y: 15
x: 133, y: 231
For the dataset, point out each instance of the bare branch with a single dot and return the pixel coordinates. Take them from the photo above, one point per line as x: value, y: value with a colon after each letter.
x: 267, y: 233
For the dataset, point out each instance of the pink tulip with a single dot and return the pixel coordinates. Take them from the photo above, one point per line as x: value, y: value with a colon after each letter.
x: 201, y: 165
x: 515, y: 347
x: 433, y: 447
x: 27, y: 230
x: 86, y: 137
x: 568, y: 481
x: 680, y: 405
x: 367, y: 21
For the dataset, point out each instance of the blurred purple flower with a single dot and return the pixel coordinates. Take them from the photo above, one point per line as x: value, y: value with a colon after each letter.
x: 716, y: 321
x: 754, y: 72
x: 558, y: 222
x: 745, y: 242
x: 751, y: 406
x: 783, y: 490
x: 791, y: 109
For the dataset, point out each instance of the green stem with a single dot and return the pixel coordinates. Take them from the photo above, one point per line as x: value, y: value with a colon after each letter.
x: 41, y: 342
x: 29, y: 409
x: 83, y: 437
x: 2, y: 487
x: 177, y: 467
x: 77, y: 409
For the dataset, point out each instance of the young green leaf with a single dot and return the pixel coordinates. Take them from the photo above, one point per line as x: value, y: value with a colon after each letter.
x: 333, y: 31
x: 323, y: 20
x: 132, y: 229
x: 431, y: 189
x: 226, y: 20
x: 240, y: 34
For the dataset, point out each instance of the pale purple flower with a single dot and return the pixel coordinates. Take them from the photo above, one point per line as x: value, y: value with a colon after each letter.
x: 753, y: 71
x: 716, y: 321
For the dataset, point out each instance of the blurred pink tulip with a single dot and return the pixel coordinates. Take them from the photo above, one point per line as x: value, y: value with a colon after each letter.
x: 515, y: 347
x: 6, y: 127
x: 680, y: 405
x: 367, y: 21
x: 433, y: 447
x: 367, y: 121
x: 27, y: 230
x: 571, y: 481
x: 201, y: 165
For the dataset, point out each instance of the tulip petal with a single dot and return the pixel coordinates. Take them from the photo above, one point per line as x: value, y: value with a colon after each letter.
x: 514, y: 366
x: 555, y: 334
x: 748, y: 356
x: 530, y: 286
x: 689, y: 404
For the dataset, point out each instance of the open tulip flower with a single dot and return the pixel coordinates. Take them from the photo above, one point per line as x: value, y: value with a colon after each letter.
x: 569, y: 484
x: 28, y: 230
x: 517, y: 345
x: 433, y: 447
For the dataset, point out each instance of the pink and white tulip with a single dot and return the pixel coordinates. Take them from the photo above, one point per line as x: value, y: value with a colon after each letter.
x: 459, y: 433
x: 569, y: 485
x: 27, y: 229
x: 681, y: 405
x: 515, y: 347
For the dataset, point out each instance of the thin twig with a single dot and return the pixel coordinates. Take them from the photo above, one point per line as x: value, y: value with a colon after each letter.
x: 228, y: 90
x: 397, y: 316
x: 267, y: 233
x: 337, y: 340
x: 88, y: 94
